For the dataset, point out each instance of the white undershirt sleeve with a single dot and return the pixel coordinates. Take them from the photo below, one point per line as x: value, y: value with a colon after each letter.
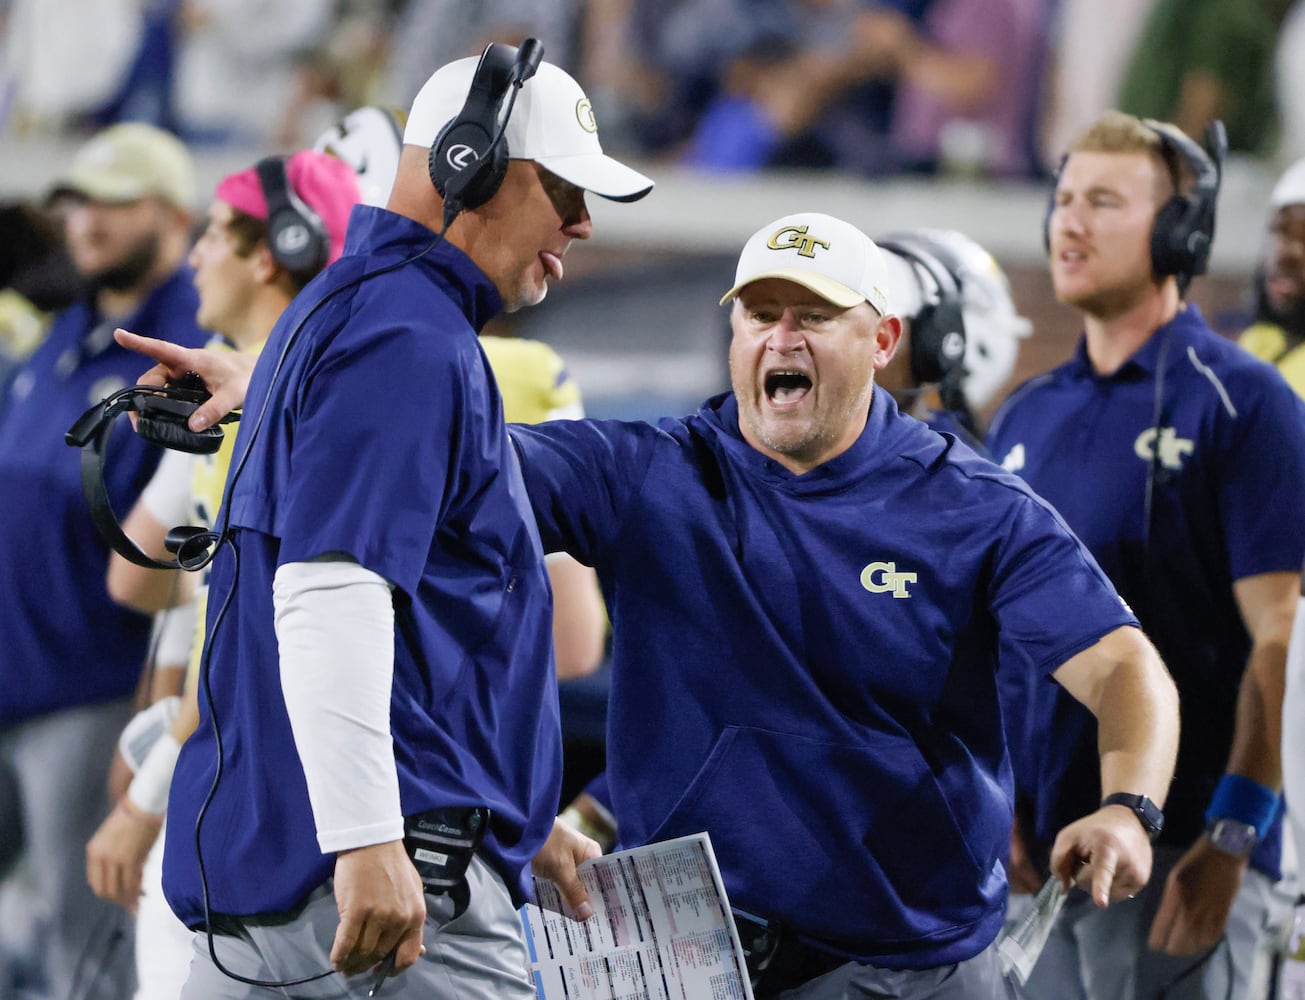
x: 335, y: 630
x: 167, y: 495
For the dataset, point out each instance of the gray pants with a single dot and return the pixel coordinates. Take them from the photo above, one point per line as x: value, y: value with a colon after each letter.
x: 979, y: 978
x: 1095, y: 954
x: 54, y: 798
x: 479, y: 956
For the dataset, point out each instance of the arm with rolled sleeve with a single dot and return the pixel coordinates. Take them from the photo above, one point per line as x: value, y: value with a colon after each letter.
x: 1100, y: 657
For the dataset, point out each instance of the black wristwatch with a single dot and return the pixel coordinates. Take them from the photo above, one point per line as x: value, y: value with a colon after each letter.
x: 1146, y: 811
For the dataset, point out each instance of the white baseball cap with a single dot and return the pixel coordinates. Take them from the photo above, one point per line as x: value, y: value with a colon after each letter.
x: 552, y: 124
x: 1290, y: 189
x: 835, y: 260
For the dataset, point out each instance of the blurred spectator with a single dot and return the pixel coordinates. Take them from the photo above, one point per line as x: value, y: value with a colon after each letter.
x: 146, y: 93
x: 1092, y: 41
x: 36, y: 279
x: 64, y: 59
x: 236, y: 65
x: 1289, y: 69
x: 70, y: 657
x: 1278, y: 333
x: 434, y: 32
x: 967, y: 84
x: 805, y: 86
x: 1198, y: 60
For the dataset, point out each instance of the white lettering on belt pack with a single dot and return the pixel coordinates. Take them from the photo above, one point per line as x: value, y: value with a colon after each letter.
x: 883, y: 578
x: 430, y: 857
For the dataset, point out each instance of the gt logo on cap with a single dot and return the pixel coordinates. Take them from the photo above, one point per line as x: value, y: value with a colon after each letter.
x: 797, y: 239
x: 584, y: 114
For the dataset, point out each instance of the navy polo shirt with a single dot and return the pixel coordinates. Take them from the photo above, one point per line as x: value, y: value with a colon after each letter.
x: 377, y: 433
x: 1218, y: 443
x: 805, y: 666
x: 65, y: 642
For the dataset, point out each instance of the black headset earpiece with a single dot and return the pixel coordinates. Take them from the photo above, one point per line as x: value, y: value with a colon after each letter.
x: 296, y: 235
x: 469, y: 157
x: 1183, y: 233
x: 466, y: 165
x: 937, y: 341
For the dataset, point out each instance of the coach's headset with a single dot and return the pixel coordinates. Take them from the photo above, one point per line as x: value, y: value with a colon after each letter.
x: 297, y: 237
x: 467, y: 163
x: 937, y: 340
x: 1183, y: 232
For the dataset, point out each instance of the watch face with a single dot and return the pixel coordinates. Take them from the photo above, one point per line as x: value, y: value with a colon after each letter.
x: 1232, y: 837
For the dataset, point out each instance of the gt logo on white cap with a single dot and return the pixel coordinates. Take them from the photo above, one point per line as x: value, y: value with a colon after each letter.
x: 797, y: 239
x: 584, y: 114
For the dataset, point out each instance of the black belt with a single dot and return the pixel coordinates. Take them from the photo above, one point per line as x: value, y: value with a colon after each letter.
x: 777, y: 959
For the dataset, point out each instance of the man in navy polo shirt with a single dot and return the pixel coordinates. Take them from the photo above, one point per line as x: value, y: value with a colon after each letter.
x: 1179, y: 460
x: 812, y: 597
x: 378, y: 660
x: 71, y: 658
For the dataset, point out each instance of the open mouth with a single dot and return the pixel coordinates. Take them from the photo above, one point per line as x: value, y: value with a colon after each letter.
x: 784, y: 387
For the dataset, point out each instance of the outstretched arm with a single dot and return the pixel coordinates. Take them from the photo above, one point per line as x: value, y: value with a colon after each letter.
x: 1122, y: 682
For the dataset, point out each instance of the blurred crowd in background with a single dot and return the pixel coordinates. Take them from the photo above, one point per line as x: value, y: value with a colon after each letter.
x: 870, y: 87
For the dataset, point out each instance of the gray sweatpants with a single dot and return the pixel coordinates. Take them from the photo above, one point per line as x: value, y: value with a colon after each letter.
x: 1101, y: 954
x: 479, y: 956
x: 979, y: 978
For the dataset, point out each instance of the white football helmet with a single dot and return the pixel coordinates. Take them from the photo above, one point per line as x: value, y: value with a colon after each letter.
x: 993, y: 326
x: 369, y: 140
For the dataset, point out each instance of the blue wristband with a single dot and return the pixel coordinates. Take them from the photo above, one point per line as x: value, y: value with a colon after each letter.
x: 1244, y: 800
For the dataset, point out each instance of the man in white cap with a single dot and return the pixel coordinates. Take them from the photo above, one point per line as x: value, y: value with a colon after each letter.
x: 811, y: 595
x: 378, y: 757
x: 71, y: 658
x: 1278, y: 333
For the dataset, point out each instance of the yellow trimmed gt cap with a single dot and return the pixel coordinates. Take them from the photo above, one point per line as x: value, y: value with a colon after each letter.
x: 835, y: 260
x: 131, y: 161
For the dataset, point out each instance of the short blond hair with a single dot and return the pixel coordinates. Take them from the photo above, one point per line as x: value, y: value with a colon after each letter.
x: 1118, y: 132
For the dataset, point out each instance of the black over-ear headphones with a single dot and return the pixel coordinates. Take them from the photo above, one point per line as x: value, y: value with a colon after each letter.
x: 162, y: 412
x: 1183, y: 232
x: 468, y: 159
x: 937, y: 341
x: 1184, y: 226
x: 296, y: 235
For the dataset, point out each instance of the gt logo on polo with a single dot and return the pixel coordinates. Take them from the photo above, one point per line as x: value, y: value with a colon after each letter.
x: 883, y: 578
x: 1171, y: 450
x: 796, y: 238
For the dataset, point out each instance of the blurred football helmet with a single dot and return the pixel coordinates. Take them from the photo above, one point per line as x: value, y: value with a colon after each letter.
x: 369, y: 139
x: 930, y: 267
